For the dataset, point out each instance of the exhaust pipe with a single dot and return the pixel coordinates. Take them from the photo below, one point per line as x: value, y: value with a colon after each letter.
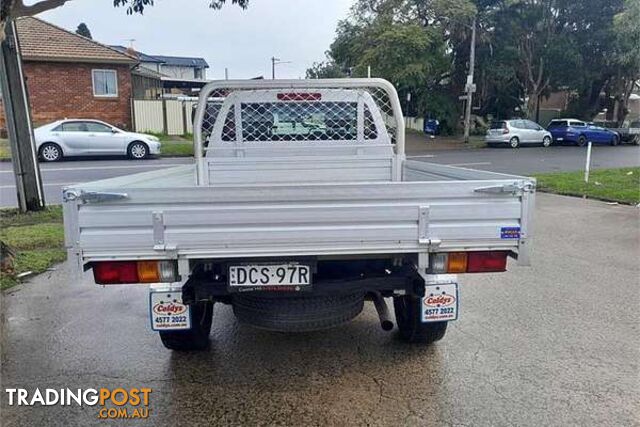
x: 383, y: 311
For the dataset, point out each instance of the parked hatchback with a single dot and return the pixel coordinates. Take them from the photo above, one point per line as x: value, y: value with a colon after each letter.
x: 578, y: 132
x: 517, y: 132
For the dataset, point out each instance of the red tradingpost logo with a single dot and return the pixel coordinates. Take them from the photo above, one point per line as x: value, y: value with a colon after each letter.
x: 441, y: 300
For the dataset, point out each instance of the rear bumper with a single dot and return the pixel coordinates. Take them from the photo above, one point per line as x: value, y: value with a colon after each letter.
x: 497, y: 139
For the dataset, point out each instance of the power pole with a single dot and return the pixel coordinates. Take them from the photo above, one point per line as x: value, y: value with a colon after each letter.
x: 17, y: 112
x: 273, y: 67
x: 275, y: 61
x: 470, y: 87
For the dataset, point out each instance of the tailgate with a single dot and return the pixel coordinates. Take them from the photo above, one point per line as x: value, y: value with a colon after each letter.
x: 130, y: 222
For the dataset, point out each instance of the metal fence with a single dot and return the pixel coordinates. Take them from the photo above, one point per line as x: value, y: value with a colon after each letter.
x: 167, y: 116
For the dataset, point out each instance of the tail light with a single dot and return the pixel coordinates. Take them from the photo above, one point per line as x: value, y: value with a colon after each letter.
x: 117, y: 272
x: 468, y: 262
x: 505, y: 131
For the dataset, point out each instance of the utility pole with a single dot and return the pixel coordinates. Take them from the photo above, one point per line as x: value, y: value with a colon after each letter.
x: 226, y: 73
x: 275, y: 61
x: 17, y: 112
x: 470, y: 87
x: 273, y: 67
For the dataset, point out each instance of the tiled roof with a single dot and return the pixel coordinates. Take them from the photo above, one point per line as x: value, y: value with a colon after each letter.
x: 40, y: 40
x: 141, y: 56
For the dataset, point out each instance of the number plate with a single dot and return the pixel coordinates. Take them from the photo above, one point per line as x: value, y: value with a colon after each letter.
x: 440, y: 302
x: 269, y: 277
x: 167, y: 311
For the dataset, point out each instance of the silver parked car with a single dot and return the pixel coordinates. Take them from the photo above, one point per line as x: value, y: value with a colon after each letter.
x: 516, y: 132
x: 81, y: 137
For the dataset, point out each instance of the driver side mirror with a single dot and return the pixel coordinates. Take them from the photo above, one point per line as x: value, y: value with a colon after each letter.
x: 114, y: 130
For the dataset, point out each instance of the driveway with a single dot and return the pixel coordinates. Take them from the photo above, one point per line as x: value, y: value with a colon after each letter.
x: 556, y: 344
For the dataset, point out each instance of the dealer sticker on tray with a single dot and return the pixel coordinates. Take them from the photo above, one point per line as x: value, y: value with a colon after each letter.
x: 168, y: 313
x: 440, y: 302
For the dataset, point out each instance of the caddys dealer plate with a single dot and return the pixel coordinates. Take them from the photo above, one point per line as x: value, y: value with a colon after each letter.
x: 167, y: 311
x: 440, y: 302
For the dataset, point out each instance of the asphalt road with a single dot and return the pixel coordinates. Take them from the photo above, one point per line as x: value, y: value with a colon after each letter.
x: 523, y: 161
x: 555, y: 344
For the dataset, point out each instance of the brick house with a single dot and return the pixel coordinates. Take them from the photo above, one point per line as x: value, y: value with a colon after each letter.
x: 69, y: 75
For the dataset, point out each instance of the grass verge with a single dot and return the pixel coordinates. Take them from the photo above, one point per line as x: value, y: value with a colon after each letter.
x: 615, y: 185
x: 5, y: 153
x: 37, y: 240
x: 179, y: 149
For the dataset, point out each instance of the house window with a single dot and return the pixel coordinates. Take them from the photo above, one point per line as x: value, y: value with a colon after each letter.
x: 105, y: 83
x: 197, y: 73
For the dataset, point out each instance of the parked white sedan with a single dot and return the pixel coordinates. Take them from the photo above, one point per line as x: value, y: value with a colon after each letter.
x: 81, y: 137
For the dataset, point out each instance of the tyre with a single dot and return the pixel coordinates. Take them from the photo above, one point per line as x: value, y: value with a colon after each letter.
x: 297, y: 313
x: 546, y: 141
x: 408, y: 311
x: 615, y: 140
x: 582, y: 141
x: 50, y: 152
x: 138, y: 150
x: 514, y: 142
x: 196, y: 338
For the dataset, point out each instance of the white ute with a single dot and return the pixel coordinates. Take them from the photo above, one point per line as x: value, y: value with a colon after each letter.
x: 299, y: 206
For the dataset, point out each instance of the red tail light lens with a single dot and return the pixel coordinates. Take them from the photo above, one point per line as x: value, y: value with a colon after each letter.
x: 483, y: 262
x: 468, y: 262
x: 117, y: 272
x: 113, y: 272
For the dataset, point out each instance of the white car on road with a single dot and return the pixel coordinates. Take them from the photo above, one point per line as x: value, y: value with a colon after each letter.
x: 516, y: 133
x: 82, y: 137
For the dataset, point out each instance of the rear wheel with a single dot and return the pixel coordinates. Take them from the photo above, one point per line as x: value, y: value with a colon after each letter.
x: 412, y: 330
x: 582, y: 140
x: 50, y: 152
x: 514, y: 142
x: 196, y: 338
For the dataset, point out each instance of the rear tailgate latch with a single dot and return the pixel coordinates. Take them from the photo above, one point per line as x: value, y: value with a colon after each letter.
x: 515, y: 188
x: 92, y: 196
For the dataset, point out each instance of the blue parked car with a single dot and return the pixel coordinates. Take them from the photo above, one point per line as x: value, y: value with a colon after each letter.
x: 578, y: 132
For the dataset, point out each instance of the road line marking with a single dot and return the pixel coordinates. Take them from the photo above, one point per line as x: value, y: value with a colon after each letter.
x: 105, y: 167
x: 424, y: 155
x: 470, y: 164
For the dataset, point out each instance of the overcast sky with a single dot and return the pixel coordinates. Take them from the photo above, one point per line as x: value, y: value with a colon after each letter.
x: 299, y: 31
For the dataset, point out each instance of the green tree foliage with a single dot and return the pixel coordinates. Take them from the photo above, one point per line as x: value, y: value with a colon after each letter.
x: 525, y: 50
x: 326, y: 70
x: 83, y: 30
